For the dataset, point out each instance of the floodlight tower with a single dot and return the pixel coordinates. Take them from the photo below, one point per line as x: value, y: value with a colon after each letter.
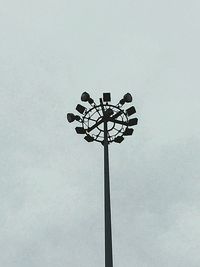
x: 105, y: 123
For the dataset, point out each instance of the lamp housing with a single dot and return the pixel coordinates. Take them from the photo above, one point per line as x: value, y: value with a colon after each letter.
x: 80, y: 130
x: 106, y: 97
x: 128, y: 98
x: 128, y: 131
x: 81, y: 109
x: 109, y: 112
x: 85, y: 97
x: 130, y: 111
x: 70, y: 117
x: 89, y: 138
x: 133, y: 122
x: 119, y: 139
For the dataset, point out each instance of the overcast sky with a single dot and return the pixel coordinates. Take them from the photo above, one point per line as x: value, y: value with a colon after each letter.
x: 51, y: 184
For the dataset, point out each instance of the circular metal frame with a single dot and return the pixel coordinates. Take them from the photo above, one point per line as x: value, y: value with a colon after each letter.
x: 95, y: 114
x: 93, y: 119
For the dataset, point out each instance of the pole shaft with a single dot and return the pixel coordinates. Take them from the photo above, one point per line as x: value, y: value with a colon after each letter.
x: 108, y: 229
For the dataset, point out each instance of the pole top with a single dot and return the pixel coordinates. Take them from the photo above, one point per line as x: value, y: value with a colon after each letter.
x: 92, y: 119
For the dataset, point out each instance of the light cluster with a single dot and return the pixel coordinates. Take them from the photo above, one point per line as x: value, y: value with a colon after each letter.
x: 94, y: 118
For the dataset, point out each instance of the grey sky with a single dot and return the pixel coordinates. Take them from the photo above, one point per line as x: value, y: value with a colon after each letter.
x: 51, y: 201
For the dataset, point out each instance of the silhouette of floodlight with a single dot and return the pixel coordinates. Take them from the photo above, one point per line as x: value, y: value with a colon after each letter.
x: 130, y: 111
x: 106, y: 97
x: 71, y: 117
x: 128, y: 131
x: 80, y: 130
x: 89, y: 138
x: 81, y: 109
x: 85, y: 97
x: 132, y: 122
x: 128, y: 98
x: 109, y: 112
x: 119, y: 139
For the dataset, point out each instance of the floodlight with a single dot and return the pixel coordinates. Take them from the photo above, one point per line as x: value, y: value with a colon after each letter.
x: 85, y: 97
x: 106, y: 97
x: 130, y: 111
x: 128, y: 98
x: 80, y: 130
x: 89, y: 138
x: 132, y: 122
x: 70, y: 117
x: 128, y: 131
x: 109, y: 112
x: 80, y: 108
x: 118, y: 139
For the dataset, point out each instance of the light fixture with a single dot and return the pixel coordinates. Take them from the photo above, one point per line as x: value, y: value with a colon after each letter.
x: 128, y: 131
x: 89, y: 138
x: 70, y: 117
x: 85, y: 97
x: 106, y: 97
x: 109, y: 112
x: 81, y: 109
x: 130, y: 111
x: 132, y: 122
x: 119, y: 139
x: 80, y: 130
x: 128, y: 98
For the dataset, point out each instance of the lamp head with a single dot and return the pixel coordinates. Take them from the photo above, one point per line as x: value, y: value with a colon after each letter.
x: 128, y: 98
x: 85, y: 97
x: 70, y: 117
x: 119, y: 139
x: 133, y: 122
x: 89, y: 138
x: 128, y: 131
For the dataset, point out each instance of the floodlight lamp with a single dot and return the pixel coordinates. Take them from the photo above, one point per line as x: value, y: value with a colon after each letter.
x: 70, y: 117
x: 89, y: 138
x: 85, y: 97
x: 80, y: 130
x: 128, y: 98
x: 133, y: 122
x: 106, y: 97
x: 119, y: 139
x: 130, y: 111
x: 128, y: 131
x: 109, y: 112
x: 81, y: 109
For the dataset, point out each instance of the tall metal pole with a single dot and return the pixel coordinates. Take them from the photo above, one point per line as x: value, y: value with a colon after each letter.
x: 91, y: 120
x: 108, y: 229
